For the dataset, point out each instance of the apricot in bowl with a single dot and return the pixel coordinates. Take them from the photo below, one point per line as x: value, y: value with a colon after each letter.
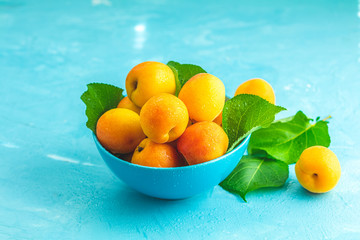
x: 174, y: 182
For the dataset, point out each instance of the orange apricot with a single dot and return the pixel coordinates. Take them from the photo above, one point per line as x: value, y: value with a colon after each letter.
x: 148, y: 79
x: 128, y: 104
x: 152, y: 154
x: 258, y: 87
x: 119, y: 130
x: 202, y: 142
x: 164, y: 118
x: 204, y: 97
x: 318, y: 169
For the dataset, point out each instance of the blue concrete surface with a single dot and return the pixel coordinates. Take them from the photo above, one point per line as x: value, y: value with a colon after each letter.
x: 53, y: 183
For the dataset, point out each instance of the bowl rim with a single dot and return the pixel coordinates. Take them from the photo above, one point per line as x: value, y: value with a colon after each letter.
x: 242, y: 143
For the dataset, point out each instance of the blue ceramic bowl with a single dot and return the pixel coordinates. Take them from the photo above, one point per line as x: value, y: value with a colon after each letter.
x: 174, y: 183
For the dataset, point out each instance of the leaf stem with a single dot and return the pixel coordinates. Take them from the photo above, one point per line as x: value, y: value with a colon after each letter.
x: 327, y: 118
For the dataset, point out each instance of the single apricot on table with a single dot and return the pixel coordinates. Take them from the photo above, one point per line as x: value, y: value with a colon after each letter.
x: 128, y: 104
x: 318, y: 169
x: 119, y: 131
x: 258, y: 87
x: 164, y: 118
x: 148, y: 79
x: 202, y: 142
x: 152, y: 154
x: 204, y: 97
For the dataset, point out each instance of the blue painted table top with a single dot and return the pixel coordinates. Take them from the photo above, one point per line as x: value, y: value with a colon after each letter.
x: 53, y: 182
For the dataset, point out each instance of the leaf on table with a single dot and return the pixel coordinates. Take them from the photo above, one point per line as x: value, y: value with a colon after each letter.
x: 99, y: 98
x: 184, y: 71
x: 286, y: 140
x: 245, y: 113
x: 254, y: 172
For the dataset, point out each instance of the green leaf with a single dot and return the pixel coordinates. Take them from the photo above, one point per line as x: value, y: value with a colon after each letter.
x: 245, y: 113
x: 254, y: 172
x: 178, y: 84
x: 185, y: 71
x: 286, y: 140
x: 99, y: 98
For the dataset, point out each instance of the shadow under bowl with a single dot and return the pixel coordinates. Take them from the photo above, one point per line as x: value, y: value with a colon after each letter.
x: 174, y: 183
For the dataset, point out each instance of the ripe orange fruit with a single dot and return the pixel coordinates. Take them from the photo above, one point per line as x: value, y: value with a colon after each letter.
x: 318, y: 169
x: 257, y: 87
x: 119, y: 131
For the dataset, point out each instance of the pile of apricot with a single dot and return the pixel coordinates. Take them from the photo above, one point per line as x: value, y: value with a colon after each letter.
x: 153, y: 127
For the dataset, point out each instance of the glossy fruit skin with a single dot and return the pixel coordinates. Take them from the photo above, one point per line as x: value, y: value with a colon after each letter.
x: 202, y: 142
x: 148, y: 79
x: 318, y: 169
x: 204, y: 97
x: 258, y: 87
x: 119, y: 130
x: 152, y: 154
x: 128, y: 104
x: 164, y: 118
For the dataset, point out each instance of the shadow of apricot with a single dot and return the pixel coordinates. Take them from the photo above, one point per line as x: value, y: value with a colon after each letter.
x: 292, y: 190
x: 307, y: 194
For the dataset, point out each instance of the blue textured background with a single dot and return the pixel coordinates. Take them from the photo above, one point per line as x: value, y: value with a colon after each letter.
x: 53, y: 183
